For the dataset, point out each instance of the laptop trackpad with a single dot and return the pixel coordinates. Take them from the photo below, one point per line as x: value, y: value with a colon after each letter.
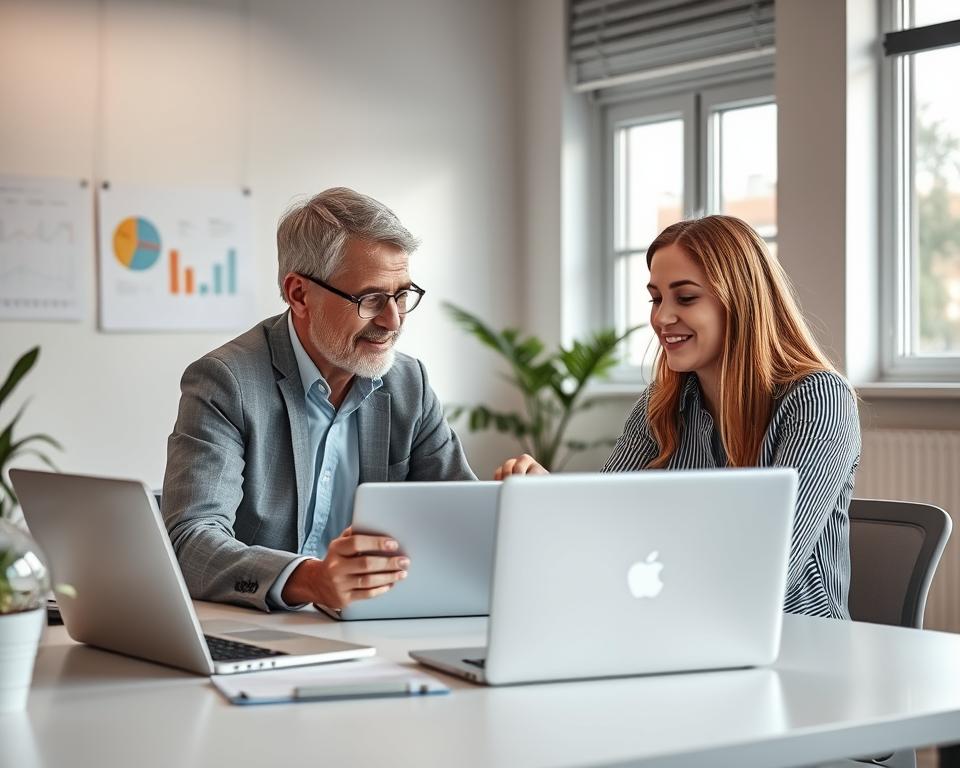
x: 246, y: 632
x: 259, y: 635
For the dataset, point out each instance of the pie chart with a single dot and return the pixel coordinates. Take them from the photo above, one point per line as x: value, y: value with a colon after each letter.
x: 136, y: 243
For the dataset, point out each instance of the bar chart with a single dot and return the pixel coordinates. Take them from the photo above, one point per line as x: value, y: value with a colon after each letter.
x: 175, y: 258
x: 183, y: 279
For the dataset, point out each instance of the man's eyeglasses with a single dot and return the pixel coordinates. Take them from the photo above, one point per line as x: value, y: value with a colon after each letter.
x: 370, y: 305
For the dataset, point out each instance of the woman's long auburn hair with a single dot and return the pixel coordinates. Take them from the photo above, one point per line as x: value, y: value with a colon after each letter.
x: 766, y: 345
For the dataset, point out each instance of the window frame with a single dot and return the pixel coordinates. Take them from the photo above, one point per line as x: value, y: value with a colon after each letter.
x: 698, y: 108
x: 897, y: 200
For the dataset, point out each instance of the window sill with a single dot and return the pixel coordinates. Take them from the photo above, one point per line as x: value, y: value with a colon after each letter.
x: 909, y: 390
x: 601, y: 390
x: 871, y: 390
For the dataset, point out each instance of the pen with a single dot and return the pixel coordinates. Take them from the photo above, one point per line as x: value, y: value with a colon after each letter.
x: 355, y: 691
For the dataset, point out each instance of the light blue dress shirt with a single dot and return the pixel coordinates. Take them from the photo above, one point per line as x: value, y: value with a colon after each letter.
x: 335, y: 473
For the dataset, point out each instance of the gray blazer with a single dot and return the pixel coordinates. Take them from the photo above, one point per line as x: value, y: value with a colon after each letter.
x: 238, y: 461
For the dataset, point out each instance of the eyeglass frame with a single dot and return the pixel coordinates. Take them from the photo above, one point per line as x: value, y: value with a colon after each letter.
x: 413, y: 288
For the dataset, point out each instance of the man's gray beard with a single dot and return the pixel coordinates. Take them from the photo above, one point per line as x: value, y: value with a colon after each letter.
x: 351, y: 358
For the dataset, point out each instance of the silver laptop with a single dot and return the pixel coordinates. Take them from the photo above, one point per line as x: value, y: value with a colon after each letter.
x: 106, y: 539
x: 447, y: 530
x: 599, y: 575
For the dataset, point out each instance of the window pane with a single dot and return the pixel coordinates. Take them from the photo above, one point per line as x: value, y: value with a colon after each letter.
x: 649, y: 196
x: 934, y: 12
x: 649, y: 181
x: 936, y: 194
x: 633, y: 306
x: 747, y: 166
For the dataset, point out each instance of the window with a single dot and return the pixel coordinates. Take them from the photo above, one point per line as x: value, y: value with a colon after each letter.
x: 921, y: 190
x: 713, y: 150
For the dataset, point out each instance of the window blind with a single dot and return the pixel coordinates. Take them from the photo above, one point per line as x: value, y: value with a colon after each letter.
x: 615, y: 42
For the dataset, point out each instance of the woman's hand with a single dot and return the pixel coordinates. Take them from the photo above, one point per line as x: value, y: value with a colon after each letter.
x: 520, y: 465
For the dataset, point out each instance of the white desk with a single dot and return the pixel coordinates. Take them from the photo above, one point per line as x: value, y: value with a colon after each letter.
x: 839, y: 689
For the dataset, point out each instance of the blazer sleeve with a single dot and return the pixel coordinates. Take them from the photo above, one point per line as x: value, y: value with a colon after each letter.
x: 203, y: 487
x: 436, y: 453
x: 819, y: 436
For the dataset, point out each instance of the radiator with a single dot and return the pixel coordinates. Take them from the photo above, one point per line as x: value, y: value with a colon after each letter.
x: 920, y: 465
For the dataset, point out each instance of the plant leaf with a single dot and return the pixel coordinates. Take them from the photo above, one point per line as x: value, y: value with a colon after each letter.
x: 8, y: 496
x: 498, y: 342
x: 19, y: 370
x: 36, y: 438
x: 590, y: 359
x: 520, y: 353
x: 6, y: 438
x: 33, y: 452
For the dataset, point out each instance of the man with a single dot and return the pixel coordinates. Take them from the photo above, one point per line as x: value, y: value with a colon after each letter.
x: 278, y: 427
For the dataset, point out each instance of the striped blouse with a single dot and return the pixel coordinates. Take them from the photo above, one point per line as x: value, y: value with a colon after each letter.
x: 814, y: 429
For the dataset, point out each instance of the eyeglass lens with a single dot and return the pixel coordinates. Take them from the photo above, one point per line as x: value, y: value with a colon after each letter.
x: 372, y: 304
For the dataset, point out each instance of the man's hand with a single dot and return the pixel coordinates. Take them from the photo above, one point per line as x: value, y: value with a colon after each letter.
x: 357, y: 567
x: 520, y: 465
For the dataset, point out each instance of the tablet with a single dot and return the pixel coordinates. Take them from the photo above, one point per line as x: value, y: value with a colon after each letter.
x: 447, y: 531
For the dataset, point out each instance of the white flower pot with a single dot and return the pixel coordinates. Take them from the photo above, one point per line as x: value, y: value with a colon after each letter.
x: 19, y: 637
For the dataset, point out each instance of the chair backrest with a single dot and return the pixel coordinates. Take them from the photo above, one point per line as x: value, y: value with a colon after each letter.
x: 895, y: 547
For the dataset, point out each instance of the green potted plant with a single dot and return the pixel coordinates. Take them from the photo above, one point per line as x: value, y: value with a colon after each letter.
x: 24, y: 577
x: 551, y: 384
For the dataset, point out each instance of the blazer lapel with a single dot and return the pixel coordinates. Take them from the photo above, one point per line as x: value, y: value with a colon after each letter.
x: 373, y: 428
x: 291, y: 389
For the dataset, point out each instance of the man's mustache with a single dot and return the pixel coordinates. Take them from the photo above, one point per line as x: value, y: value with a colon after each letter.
x: 379, y: 337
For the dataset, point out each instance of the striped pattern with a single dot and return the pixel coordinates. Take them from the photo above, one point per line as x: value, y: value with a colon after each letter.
x: 815, y: 429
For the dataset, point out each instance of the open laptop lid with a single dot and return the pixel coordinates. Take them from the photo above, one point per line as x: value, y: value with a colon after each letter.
x: 105, y: 538
x: 630, y: 573
x: 447, y: 530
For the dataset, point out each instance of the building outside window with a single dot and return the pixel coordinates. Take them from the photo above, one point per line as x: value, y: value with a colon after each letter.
x: 920, y: 202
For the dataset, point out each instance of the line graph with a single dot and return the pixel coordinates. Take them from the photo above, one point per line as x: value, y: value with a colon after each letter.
x: 45, y: 241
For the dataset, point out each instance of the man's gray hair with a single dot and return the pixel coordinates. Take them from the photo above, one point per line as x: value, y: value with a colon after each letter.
x: 312, y: 236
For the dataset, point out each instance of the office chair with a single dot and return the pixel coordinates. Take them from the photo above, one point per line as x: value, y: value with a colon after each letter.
x: 895, y: 547
x: 908, y: 539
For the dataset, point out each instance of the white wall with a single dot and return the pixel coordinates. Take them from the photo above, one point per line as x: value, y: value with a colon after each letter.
x: 414, y: 103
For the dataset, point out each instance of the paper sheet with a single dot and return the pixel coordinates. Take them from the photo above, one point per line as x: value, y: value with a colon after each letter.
x: 176, y: 258
x: 46, y: 248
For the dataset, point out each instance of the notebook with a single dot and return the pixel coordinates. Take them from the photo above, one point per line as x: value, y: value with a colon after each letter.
x: 599, y: 575
x: 105, y: 538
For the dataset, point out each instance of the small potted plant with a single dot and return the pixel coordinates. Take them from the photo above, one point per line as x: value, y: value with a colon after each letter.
x: 24, y: 584
x: 552, y: 384
x: 24, y: 577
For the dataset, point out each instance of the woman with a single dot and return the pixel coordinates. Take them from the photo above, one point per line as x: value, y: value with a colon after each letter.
x: 740, y: 382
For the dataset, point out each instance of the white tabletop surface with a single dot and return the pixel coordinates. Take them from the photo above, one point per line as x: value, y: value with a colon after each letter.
x: 838, y: 689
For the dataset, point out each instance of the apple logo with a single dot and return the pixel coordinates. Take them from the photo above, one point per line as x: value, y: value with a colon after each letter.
x: 643, y: 578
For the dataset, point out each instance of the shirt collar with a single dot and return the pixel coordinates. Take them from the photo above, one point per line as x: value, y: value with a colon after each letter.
x: 310, y: 375
x: 690, y: 391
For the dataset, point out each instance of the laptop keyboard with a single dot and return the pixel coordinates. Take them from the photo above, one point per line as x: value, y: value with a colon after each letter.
x: 230, y: 650
x: 476, y: 662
